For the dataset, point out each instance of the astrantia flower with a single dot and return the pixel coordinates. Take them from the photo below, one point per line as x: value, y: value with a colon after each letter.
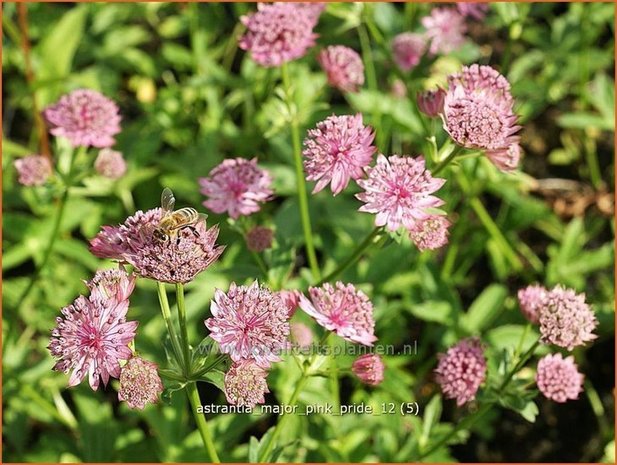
x: 342, y: 309
x: 110, y: 163
x: 369, y: 369
x: 445, y: 27
x: 478, y: 113
x: 91, y: 338
x: 290, y: 299
x: 337, y: 150
x: 407, y: 49
x: 249, y: 323
x: 530, y: 301
x: 313, y: 10
x: 236, y: 186
x: 86, y: 118
x: 301, y: 335
x: 140, y: 383
x: 33, y: 170
x: 278, y: 32
x: 461, y: 370
x: 398, y: 189
x: 431, y: 233
x: 431, y: 102
x: 113, y: 284
x: 558, y: 378
x: 565, y: 319
x: 259, y: 238
x: 474, y: 10
x: 343, y: 66
x: 245, y: 384
x: 176, y: 260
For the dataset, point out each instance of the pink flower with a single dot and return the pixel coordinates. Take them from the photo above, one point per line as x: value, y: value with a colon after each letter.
x: 312, y: 10
x: 565, y: 319
x: 337, y: 150
x: 259, y: 238
x: 558, y: 378
x: 290, y: 299
x: 461, y: 370
x: 236, y: 186
x: 249, y: 323
x: 140, y: 383
x: 342, y: 309
x: 110, y: 163
x: 431, y: 233
x: 431, y: 102
x: 279, y: 32
x: 478, y: 113
x: 301, y: 335
x: 245, y: 384
x: 33, y: 170
x: 91, y: 338
x: 369, y: 369
x: 85, y: 117
x: 113, y: 284
x: 177, y: 260
x: 343, y: 66
x: 530, y: 300
x: 445, y: 28
x: 473, y: 10
x: 408, y: 49
x: 398, y: 189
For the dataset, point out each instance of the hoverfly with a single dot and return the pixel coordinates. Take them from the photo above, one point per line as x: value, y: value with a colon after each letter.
x: 175, y: 221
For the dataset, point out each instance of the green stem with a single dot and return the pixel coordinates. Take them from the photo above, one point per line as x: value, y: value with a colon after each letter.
x: 261, y: 264
x: 457, y: 149
x: 496, y: 233
x: 300, y: 182
x: 523, y: 359
x: 202, y: 425
x: 54, y: 231
x: 333, y: 375
x: 171, y: 330
x: 184, y: 338
x: 371, y: 79
x: 354, y: 257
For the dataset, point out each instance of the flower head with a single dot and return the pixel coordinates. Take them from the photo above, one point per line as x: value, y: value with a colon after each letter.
x: 530, y: 301
x: 565, y: 319
x: 176, y: 260
x: 558, y: 378
x: 445, y: 28
x: 236, y: 186
x: 431, y: 102
x: 461, y: 370
x: 473, y: 10
x: 259, y: 238
x: 369, y: 369
x: 113, y: 284
x: 398, y: 189
x: 91, y: 337
x: 249, y: 323
x: 337, y: 150
x: 408, y: 49
x: 33, y: 170
x: 431, y: 233
x: 301, y: 335
x: 343, y: 66
x: 140, y: 383
x: 86, y: 118
x: 290, y: 299
x: 245, y: 384
x: 342, y: 309
x: 110, y: 163
x: 478, y: 113
x: 279, y: 32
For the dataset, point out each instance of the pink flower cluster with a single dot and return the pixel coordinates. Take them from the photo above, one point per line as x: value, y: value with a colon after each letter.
x: 279, y: 32
x: 236, y: 186
x: 407, y: 49
x: 33, y: 170
x: 110, y: 163
x: 445, y: 29
x: 140, y: 383
x: 461, y: 370
x: 558, y: 378
x: 92, y: 335
x: 343, y: 66
x: 369, y: 369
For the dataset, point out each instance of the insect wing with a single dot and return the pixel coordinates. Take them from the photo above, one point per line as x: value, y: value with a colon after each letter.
x: 168, y: 201
x: 202, y: 217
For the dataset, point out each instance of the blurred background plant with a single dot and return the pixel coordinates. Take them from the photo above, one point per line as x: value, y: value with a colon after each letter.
x: 190, y: 98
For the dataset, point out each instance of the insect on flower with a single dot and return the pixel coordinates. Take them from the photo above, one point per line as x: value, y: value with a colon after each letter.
x: 175, y: 221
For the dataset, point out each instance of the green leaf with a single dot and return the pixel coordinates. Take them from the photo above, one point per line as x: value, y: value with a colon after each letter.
x: 432, y: 310
x: 485, y: 308
x: 432, y: 414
